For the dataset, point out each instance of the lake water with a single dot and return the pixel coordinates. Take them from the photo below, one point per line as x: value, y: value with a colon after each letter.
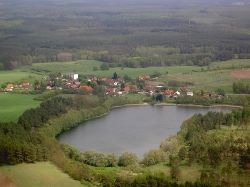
x: 134, y: 128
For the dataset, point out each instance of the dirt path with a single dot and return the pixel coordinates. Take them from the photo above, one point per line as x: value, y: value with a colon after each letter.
x: 5, y: 181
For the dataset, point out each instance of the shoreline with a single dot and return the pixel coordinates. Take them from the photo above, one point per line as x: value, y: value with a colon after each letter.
x: 188, y: 105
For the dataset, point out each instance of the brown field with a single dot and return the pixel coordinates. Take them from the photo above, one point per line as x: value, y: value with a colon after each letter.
x: 5, y: 181
x: 240, y: 74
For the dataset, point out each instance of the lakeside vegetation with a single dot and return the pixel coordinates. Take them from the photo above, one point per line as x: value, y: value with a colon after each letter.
x: 193, y: 44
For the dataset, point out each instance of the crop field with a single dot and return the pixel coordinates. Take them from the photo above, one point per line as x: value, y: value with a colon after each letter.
x: 39, y: 175
x: 13, y: 105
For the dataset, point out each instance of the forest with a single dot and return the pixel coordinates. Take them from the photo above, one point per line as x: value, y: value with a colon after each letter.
x: 161, y: 34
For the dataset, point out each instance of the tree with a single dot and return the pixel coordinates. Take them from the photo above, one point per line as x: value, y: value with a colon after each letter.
x: 95, y: 68
x: 157, y: 73
x: 182, y: 153
x: 104, y: 67
x: 159, y: 97
x: 93, y: 84
x: 3, y: 86
x: 220, y: 91
x: 115, y: 76
x: 127, y: 158
x: 122, y: 86
x: 175, y: 171
x: 112, y: 160
x: 153, y: 157
x: 126, y: 78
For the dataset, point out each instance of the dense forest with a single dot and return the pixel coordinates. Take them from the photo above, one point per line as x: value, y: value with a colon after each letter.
x: 161, y: 34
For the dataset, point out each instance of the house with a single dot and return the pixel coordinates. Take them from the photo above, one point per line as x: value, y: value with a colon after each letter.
x: 103, y: 79
x: 177, y: 94
x: 148, y: 88
x: 146, y: 77
x: 190, y: 93
x: 184, y: 90
x: 126, y: 88
x: 140, y: 78
x: 169, y: 92
x: 74, y: 86
x: 110, y: 90
x: 25, y: 85
x: 68, y: 82
x: 9, y: 87
x: 133, y: 87
x: 48, y: 87
x: 73, y: 76
x: 38, y: 86
x: 86, y: 88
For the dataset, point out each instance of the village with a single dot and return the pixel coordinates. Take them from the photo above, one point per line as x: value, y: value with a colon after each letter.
x: 115, y: 86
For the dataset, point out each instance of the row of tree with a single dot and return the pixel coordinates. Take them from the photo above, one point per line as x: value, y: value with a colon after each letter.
x: 241, y: 88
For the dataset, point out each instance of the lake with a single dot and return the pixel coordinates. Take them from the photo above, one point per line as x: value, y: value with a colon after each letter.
x: 135, y: 128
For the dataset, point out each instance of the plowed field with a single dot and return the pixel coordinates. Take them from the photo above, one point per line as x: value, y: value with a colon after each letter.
x: 240, y: 74
x: 5, y: 181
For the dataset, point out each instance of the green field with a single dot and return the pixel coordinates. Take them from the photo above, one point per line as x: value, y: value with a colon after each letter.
x: 85, y: 67
x: 13, y: 105
x: 12, y: 76
x: 207, y: 81
x: 231, y: 63
x: 42, y: 174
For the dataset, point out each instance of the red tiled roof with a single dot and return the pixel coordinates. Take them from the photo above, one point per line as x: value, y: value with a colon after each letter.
x: 148, y: 87
x: 126, y: 88
x: 184, y: 89
x: 87, y: 88
x: 10, y: 85
x: 134, y: 86
x: 26, y: 84
x: 110, y: 90
x: 169, y: 92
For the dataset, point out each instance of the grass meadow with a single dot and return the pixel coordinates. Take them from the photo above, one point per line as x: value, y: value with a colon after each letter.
x: 12, y: 106
x: 230, y: 63
x: 17, y: 76
x: 40, y: 174
x: 207, y: 81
